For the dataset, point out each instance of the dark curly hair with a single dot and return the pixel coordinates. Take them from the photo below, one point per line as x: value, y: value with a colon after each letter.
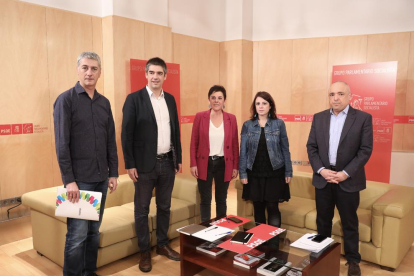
x: 267, y: 97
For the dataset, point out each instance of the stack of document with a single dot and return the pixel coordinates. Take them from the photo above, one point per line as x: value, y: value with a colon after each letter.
x: 213, y: 233
x: 305, y: 242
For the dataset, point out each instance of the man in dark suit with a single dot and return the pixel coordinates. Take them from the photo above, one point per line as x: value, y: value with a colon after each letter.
x: 339, y: 145
x: 152, y: 153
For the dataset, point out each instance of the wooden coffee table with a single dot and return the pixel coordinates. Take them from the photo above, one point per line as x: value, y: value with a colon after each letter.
x: 194, y: 261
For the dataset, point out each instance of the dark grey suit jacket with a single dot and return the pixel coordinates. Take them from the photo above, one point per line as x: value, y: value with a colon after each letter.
x: 140, y: 132
x: 354, y: 150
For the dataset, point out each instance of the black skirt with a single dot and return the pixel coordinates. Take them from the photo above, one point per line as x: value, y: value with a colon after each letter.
x: 270, y: 189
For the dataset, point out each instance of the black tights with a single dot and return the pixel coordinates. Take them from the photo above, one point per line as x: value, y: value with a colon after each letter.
x: 273, y: 213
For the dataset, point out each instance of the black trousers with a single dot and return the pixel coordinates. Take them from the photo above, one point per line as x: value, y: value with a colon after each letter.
x: 162, y: 179
x: 215, y: 170
x: 347, y: 203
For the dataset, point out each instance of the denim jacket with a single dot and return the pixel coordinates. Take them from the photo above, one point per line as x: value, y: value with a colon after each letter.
x: 277, y: 145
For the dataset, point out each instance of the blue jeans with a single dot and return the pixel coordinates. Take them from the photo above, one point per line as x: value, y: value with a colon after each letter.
x: 162, y: 179
x: 82, y: 238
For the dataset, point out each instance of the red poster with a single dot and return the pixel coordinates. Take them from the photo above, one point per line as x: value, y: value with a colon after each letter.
x: 373, y: 91
x: 171, y: 84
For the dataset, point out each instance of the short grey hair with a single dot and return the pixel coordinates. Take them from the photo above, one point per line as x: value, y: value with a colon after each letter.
x: 89, y: 55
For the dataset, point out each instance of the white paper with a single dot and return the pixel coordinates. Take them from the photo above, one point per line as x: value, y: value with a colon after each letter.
x: 213, y: 233
x: 85, y: 208
x: 305, y: 242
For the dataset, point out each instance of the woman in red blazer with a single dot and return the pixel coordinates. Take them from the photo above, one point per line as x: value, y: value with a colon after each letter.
x: 214, y: 152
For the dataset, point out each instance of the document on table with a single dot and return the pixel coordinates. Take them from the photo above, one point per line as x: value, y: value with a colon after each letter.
x: 88, y: 207
x: 213, y: 233
x: 305, y: 242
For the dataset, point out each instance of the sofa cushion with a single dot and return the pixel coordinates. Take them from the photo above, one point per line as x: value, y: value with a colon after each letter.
x: 301, y: 185
x: 124, y: 193
x: 180, y: 210
x: 364, y: 217
x: 294, y: 212
x: 118, y: 225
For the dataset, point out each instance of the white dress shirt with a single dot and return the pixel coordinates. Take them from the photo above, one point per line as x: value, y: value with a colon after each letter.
x: 162, y: 117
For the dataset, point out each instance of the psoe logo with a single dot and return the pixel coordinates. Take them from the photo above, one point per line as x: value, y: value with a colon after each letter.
x: 5, y: 130
x: 27, y: 128
x: 356, y: 102
x: 17, y: 129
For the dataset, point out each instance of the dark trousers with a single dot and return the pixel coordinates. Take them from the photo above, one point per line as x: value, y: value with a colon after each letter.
x: 82, y: 238
x: 347, y: 204
x: 162, y: 179
x: 273, y: 213
x: 215, y: 170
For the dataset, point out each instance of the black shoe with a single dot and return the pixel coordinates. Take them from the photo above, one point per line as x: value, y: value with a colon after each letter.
x: 353, y: 269
x: 168, y: 252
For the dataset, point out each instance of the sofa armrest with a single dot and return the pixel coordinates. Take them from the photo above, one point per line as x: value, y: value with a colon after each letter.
x: 43, y: 201
x: 185, y: 188
x: 397, y: 202
x: 392, y: 224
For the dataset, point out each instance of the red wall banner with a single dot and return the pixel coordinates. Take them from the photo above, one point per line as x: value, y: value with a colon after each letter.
x: 373, y: 91
x: 171, y: 84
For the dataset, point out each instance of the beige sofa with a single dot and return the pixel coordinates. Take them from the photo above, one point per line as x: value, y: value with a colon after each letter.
x: 118, y: 238
x: 386, y: 218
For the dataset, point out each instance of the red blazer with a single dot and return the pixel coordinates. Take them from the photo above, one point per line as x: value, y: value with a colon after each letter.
x: 200, y: 144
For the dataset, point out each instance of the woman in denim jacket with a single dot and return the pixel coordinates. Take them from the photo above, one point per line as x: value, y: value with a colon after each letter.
x: 265, y: 167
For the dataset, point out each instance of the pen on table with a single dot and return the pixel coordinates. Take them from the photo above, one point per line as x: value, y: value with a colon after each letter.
x: 247, y: 236
x: 223, y: 233
x: 311, y: 237
x: 211, y: 229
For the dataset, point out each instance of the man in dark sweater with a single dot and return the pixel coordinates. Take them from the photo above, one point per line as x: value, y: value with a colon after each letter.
x: 87, y: 157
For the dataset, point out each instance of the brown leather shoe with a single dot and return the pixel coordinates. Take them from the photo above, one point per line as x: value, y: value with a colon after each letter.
x: 168, y: 252
x: 353, y: 269
x: 145, y: 262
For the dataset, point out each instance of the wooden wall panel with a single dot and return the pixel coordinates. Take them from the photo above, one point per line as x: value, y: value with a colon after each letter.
x: 393, y: 47
x: 97, y: 47
x: 309, y: 76
x: 231, y: 75
x: 199, y: 65
x: 346, y: 50
x: 158, y: 42
x: 256, y: 55
x: 25, y: 159
x: 186, y: 54
x: 208, y: 70
x: 127, y: 43
x: 274, y: 73
x: 408, y: 141
x: 309, y: 89
x: 247, y: 80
